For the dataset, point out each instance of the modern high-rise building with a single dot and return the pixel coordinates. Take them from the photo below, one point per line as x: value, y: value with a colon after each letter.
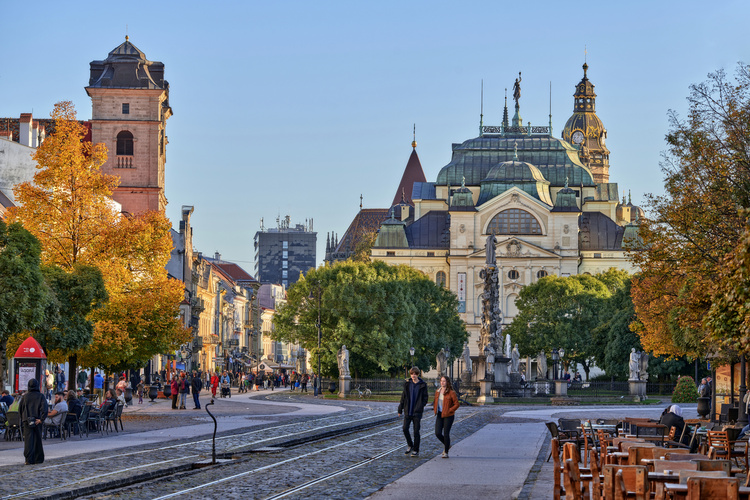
x: 283, y: 252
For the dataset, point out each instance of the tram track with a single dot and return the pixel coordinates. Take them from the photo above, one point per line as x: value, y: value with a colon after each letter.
x: 109, y: 480
x: 230, y: 479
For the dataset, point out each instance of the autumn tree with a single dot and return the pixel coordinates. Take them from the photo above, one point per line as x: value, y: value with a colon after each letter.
x: 25, y: 298
x: 378, y: 311
x: 696, y: 223
x: 70, y: 209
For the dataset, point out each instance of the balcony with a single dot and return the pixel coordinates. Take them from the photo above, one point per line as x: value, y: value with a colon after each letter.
x: 124, y: 162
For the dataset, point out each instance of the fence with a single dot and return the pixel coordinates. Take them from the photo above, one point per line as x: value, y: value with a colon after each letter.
x: 381, y: 386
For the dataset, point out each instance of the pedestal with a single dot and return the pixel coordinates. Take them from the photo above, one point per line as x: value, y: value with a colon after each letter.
x: 501, y: 370
x: 637, y: 388
x: 485, y: 392
x: 561, y: 388
x: 345, y: 386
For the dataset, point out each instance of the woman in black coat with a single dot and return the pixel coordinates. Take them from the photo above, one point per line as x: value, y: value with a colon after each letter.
x: 672, y: 417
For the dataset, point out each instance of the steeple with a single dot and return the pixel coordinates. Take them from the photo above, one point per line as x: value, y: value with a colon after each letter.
x: 412, y: 173
x: 505, y: 111
x: 585, y: 130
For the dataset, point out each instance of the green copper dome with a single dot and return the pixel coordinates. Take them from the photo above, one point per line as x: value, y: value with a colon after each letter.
x: 520, y: 174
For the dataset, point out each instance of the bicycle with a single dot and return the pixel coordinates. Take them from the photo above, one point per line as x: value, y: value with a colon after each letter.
x: 366, y: 393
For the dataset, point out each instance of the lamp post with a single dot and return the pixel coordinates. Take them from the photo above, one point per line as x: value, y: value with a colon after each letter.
x: 561, y: 351
x: 450, y: 363
x: 411, y: 351
x: 318, y: 386
x: 555, y: 359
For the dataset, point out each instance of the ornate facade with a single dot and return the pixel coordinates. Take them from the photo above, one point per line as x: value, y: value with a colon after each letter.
x: 548, y: 201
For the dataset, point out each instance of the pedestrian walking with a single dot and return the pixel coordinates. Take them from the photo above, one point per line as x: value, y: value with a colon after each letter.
x: 445, y: 405
x: 196, y: 385
x: 214, y: 383
x: 184, y: 390
x: 175, y: 386
x: 413, y: 401
x: 33, y: 411
x: 305, y: 378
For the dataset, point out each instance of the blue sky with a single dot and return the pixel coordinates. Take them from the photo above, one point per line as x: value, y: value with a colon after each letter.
x: 299, y: 107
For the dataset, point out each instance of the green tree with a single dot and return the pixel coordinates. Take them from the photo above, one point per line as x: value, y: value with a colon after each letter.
x: 378, y: 311
x: 25, y: 299
x: 78, y: 293
x: 559, y: 312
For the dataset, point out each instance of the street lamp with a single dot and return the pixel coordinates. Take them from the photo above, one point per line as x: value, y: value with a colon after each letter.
x: 318, y: 386
x: 562, y: 354
x: 450, y: 363
x: 411, y: 351
x: 555, y: 359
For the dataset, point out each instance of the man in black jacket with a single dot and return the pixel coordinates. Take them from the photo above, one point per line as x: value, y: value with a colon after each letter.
x: 413, y: 401
x: 196, y: 385
x: 33, y: 411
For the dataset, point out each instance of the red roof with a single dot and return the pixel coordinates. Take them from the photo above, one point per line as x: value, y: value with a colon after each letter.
x: 412, y: 173
x: 234, y: 271
x: 367, y: 221
x: 30, y: 348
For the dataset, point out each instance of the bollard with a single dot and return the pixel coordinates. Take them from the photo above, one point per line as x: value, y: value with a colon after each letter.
x: 213, y: 445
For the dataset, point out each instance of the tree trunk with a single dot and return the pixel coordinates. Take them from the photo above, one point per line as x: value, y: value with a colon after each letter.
x: 72, y: 372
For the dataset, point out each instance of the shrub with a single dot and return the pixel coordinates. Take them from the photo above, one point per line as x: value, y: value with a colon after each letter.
x: 685, y: 391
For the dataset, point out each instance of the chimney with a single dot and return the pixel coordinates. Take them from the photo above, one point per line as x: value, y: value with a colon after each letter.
x: 6, y: 134
x: 217, y: 256
x: 34, y: 134
x: 24, y: 129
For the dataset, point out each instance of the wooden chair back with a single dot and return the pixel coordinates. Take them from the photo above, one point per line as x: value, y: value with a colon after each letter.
x: 572, y: 476
x: 638, y: 453
x: 557, y: 490
x: 686, y: 474
x: 626, y: 445
x: 662, y: 465
x: 719, y: 440
x: 619, y: 440
x: 660, y: 453
x: 570, y: 452
x: 634, y: 477
x: 673, y: 456
x: 715, y: 465
x: 596, y: 482
x: 704, y: 487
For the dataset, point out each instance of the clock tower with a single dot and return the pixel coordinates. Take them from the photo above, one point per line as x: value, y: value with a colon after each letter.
x: 130, y: 108
x: 585, y: 130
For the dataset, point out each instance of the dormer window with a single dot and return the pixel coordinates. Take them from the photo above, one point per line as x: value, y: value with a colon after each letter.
x: 126, y: 108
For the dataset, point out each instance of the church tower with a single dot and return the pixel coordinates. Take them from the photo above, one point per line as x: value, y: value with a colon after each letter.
x: 585, y: 130
x: 130, y: 108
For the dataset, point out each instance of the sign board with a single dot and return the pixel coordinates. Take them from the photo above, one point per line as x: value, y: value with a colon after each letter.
x: 26, y: 371
x: 461, y: 292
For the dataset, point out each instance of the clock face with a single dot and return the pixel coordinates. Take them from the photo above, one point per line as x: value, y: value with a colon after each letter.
x: 577, y: 137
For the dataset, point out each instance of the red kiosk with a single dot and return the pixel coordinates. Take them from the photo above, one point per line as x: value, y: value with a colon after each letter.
x: 29, y: 362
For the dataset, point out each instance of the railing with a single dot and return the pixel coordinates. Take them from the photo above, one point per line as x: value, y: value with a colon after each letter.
x: 124, y: 162
x: 382, y: 386
x: 527, y: 130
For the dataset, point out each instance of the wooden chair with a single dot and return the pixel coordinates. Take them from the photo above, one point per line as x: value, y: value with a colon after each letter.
x: 724, y: 448
x: 573, y: 486
x: 674, y: 456
x: 596, y: 478
x: 638, y: 453
x: 557, y: 489
x: 720, y: 488
x: 59, y: 427
x: 724, y: 466
x: 687, y: 474
x: 634, y: 477
x: 662, y: 465
x: 660, y: 453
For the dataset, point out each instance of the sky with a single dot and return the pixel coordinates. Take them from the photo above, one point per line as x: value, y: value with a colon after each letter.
x: 297, y: 108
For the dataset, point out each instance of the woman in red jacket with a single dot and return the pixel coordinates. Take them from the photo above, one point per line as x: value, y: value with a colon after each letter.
x: 214, y: 383
x: 445, y: 405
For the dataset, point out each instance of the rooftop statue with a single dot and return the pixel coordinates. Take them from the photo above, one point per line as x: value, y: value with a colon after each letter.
x: 517, y: 88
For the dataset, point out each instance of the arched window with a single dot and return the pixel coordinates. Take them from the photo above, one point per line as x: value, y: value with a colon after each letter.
x: 514, y: 221
x: 125, y: 143
x: 513, y: 274
x: 541, y: 274
x: 440, y: 278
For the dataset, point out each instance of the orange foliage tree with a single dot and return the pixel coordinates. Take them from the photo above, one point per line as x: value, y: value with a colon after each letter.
x: 69, y: 209
x: 697, y: 222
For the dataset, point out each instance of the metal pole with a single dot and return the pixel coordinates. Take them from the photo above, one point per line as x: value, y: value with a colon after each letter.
x: 320, y: 378
x: 742, y: 415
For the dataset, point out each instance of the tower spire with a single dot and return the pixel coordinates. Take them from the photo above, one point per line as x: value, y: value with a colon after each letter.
x: 414, y: 137
x: 360, y: 201
x: 505, y: 111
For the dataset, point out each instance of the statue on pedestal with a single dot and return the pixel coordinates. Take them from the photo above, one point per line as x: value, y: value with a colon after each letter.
x: 514, y: 359
x: 343, y: 359
x: 634, y: 364
x: 541, y: 366
x: 643, y: 367
x: 466, y: 355
x: 441, y: 363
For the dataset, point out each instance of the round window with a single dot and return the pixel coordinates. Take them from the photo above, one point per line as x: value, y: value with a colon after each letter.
x: 513, y: 274
x: 541, y: 274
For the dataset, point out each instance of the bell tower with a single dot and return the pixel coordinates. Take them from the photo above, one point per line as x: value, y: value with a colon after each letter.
x: 130, y: 108
x: 585, y: 130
